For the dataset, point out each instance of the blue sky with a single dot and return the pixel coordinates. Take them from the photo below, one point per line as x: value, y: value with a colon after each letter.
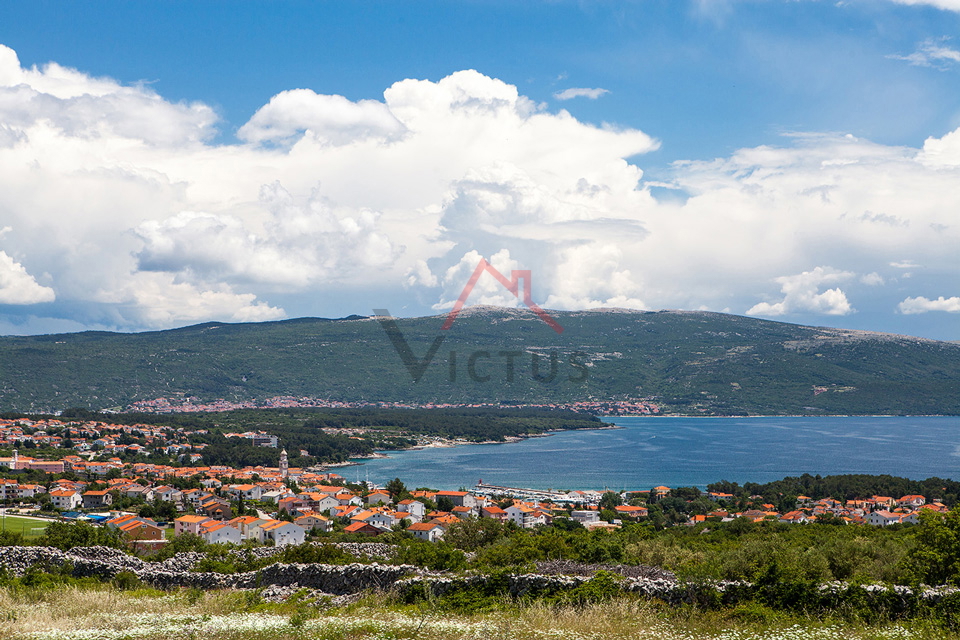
x: 170, y: 163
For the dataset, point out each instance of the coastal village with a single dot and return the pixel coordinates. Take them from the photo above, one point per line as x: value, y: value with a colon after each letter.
x: 150, y: 503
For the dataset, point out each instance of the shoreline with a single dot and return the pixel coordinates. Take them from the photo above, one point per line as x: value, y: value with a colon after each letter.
x: 445, y: 443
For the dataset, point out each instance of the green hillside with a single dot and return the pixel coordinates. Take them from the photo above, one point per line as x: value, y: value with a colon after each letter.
x: 689, y: 362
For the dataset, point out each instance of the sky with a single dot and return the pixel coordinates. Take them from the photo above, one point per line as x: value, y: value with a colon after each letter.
x: 166, y: 164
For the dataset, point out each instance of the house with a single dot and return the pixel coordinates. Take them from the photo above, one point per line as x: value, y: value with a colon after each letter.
x: 378, y: 497
x: 414, y: 509
x: 382, y: 520
x: 913, y: 501
x: 458, y: 498
x: 294, y: 505
x: 362, y: 528
x: 167, y: 494
x: 282, y: 533
x: 140, y: 529
x: 314, y: 521
x: 348, y: 498
x: 661, y: 491
x: 883, y: 518
x: 96, y: 499
x: 494, y: 512
x: 65, y: 499
x: 216, y: 508
x: 28, y: 490
x: 189, y: 524
x: 429, y: 531
x: 247, y: 491
x: 138, y: 491
x: 719, y: 495
x: 631, y: 512
x: 322, y: 503
x: 795, y: 517
x: 249, y: 526
x: 585, y: 516
x: 215, y: 532
x: 462, y: 512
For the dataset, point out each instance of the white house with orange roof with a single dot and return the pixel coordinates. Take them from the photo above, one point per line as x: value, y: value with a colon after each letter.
x: 282, y: 533
x: 912, y: 501
x: 215, y: 532
x: 413, y: 509
x: 883, y: 518
x: 65, y: 499
x: 429, y: 531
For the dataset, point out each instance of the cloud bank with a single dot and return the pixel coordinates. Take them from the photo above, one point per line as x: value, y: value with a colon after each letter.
x: 121, y: 211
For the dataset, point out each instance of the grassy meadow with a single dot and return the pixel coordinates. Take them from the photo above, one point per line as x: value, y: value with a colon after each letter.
x: 104, y: 613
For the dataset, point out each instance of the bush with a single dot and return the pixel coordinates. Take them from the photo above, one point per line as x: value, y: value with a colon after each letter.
x: 436, y: 556
x: 126, y: 581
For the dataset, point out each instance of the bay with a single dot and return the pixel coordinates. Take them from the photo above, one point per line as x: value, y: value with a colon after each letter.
x: 680, y: 451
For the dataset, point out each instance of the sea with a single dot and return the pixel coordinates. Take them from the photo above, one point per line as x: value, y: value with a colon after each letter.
x: 679, y: 451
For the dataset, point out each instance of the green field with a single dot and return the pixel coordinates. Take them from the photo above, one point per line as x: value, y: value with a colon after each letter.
x: 27, y: 526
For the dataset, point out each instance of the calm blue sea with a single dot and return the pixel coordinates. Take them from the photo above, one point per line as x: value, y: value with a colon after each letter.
x: 650, y: 451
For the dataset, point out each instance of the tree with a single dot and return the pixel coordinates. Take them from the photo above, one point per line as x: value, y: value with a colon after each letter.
x: 67, y: 535
x: 936, y: 557
x: 685, y: 493
x: 471, y: 534
x: 396, y: 488
x: 610, y: 499
x: 444, y: 504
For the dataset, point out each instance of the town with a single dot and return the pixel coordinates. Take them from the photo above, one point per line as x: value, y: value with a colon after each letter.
x: 99, y: 480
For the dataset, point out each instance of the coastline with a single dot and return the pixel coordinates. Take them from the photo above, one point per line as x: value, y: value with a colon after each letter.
x: 448, y: 443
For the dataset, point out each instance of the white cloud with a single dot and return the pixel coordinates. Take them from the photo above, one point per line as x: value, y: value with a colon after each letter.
x: 331, y: 119
x: 932, y: 52
x: 946, y: 5
x: 580, y: 92
x: 923, y: 305
x: 160, y: 301
x: 19, y: 287
x: 301, y: 243
x: 801, y: 293
x: 120, y: 201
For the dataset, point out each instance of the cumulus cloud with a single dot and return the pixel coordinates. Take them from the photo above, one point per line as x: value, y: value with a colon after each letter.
x: 580, y: 92
x: 923, y: 305
x: 301, y: 243
x: 332, y: 119
x: 801, y: 293
x: 932, y: 52
x: 122, y: 203
x: 19, y: 287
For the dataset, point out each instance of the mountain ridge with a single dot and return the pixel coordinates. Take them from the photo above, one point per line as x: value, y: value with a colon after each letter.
x: 687, y: 362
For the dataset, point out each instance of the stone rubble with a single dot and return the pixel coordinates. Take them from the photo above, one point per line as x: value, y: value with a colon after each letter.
x: 339, y: 584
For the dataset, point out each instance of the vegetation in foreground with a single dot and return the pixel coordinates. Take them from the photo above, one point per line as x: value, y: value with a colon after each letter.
x: 111, y: 612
